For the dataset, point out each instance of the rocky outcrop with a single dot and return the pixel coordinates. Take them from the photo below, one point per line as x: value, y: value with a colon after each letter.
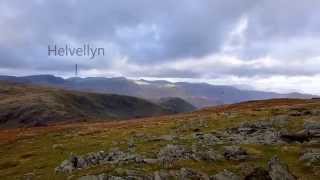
x: 311, y: 157
x: 254, y: 133
x: 225, y: 175
x: 310, y: 133
x: 313, y: 129
x: 171, y: 153
x: 91, y: 159
x: 101, y: 177
x: 276, y: 171
x: 182, y: 174
x: 279, y: 171
x: 235, y: 153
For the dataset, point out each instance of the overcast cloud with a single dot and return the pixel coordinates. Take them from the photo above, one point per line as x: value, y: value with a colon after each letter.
x: 267, y: 44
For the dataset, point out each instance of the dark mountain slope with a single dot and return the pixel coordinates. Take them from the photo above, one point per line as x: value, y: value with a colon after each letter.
x: 176, y: 104
x: 26, y: 105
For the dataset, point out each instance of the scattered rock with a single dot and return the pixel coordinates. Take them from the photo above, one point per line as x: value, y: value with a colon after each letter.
x: 258, y: 174
x: 67, y: 166
x: 171, y: 153
x: 100, y: 177
x: 254, y: 133
x: 311, y: 157
x: 205, y: 154
x: 279, y: 171
x: 312, y: 125
x: 225, y: 175
x: 91, y: 159
x: 313, y: 129
x: 192, y: 174
x: 208, y: 139
x: 235, y: 153
x: 183, y: 174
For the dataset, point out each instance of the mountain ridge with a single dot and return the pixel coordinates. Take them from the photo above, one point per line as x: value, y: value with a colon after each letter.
x: 199, y: 94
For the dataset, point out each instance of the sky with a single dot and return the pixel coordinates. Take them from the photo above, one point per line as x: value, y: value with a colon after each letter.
x: 271, y: 45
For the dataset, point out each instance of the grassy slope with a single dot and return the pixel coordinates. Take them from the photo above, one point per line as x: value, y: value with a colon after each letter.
x: 22, y: 105
x: 24, y: 151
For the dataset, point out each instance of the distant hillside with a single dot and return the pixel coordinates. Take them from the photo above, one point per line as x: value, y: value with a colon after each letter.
x: 26, y: 105
x: 176, y: 104
x: 198, y: 94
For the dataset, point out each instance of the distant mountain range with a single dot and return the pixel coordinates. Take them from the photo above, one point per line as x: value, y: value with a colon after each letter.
x: 23, y: 105
x: 198, y: 94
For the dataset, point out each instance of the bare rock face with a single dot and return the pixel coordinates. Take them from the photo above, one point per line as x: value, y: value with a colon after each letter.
x: 279, y: 171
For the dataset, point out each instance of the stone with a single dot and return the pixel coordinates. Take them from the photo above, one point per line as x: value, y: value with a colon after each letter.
x: 183, y: 174
x: 91, y: 159
x: 100, y: 177
x: 311, y: 157
x: 208, y: 155
x: 313, y: 129
x: 253, y: 133
x: 258, y: 174
x: 172, y: 153
x: 279, y: 171
x: 68, y: 166
x: 192, y: 174
x: 235, y: 153
x: 225, y: 175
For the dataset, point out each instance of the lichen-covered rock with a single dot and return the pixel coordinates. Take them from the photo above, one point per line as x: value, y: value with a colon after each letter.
x: 225, y: 175
x: 182, y: 174
x: 279, y: 171
x: 206, y: 154
x: 192, y: 174
x: 100, y: 177
x: 313, y: 129
x: 91, y: 159
x: 254, y: 133
x: 311, y: 157
x: 171, y: 153
x: 235, y: 153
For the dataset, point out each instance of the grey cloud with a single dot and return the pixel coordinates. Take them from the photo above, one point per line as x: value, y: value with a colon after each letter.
x: 149, y: 33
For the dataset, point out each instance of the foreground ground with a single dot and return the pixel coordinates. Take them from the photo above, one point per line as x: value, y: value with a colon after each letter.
x: 236, y: 139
